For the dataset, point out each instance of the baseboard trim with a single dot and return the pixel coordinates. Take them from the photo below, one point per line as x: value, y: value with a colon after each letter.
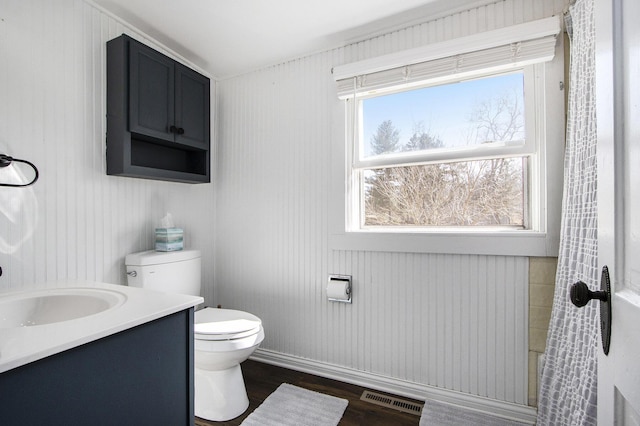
x: 507, y: 410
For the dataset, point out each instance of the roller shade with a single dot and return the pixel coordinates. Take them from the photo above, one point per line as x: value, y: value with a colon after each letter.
x: 490, y: 52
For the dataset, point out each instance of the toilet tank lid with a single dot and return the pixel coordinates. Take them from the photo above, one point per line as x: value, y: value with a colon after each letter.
x: 152, y: 257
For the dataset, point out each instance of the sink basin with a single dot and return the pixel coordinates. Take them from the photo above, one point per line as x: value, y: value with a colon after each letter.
x: 43, y: 307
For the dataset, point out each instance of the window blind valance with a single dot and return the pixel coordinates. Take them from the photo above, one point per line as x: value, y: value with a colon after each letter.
x: 488, y: 52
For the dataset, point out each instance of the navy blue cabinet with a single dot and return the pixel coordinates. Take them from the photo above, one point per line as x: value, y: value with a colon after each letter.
x: 158, y: 115
x: 141, y: 376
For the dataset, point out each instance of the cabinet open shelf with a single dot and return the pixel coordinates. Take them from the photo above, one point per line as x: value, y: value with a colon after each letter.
x: 155, y: 156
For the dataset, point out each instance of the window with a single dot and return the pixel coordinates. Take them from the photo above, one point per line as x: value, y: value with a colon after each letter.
x: 453, y: 144
x: 451, y: 155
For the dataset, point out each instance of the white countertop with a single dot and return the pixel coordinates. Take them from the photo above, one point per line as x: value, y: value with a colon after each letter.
x: 22, y: 345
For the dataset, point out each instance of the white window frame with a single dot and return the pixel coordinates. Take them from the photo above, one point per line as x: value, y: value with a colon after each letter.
x: 527, y: 148
x: 545, y: 133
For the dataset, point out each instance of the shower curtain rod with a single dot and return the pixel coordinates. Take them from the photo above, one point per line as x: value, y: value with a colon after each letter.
x: 6, y: 160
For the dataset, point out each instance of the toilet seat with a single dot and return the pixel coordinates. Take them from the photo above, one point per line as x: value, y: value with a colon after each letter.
x: 225, y: 324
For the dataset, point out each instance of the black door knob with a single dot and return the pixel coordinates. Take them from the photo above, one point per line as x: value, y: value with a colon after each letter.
x: 581, y: 295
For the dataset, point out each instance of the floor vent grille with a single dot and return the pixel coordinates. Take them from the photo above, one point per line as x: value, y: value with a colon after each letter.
x: 392, y: 402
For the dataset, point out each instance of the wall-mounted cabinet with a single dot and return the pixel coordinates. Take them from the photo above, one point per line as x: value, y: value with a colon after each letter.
x: 158, y: 115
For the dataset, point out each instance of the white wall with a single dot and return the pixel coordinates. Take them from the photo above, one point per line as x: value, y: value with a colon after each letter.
x: 52, y: 112
x: 458, y: 322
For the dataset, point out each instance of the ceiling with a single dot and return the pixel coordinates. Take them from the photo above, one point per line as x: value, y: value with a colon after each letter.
x: 231, y: 37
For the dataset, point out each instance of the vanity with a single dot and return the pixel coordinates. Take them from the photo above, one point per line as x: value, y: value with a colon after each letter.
x: 78, y: 353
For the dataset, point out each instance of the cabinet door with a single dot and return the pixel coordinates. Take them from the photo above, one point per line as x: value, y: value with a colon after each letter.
x: 140, y: 376
x: 192, y: 111
x: 151, y: 92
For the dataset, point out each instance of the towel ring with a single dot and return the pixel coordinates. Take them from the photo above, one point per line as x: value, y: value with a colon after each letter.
x: 6, y: 160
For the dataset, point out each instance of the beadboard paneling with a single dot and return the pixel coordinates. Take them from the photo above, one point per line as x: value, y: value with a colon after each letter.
x: 455, y: 322
x: 458, y: 322
x: 75, y: 222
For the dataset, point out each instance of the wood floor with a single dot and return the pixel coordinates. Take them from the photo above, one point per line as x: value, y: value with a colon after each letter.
x: 263, y: 379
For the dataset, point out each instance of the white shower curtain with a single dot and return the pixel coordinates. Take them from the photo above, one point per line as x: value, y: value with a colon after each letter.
x: 568, y: 391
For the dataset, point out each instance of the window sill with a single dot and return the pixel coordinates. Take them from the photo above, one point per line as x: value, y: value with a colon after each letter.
x: 505, y: 243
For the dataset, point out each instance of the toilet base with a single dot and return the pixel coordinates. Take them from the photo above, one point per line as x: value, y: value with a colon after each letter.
x: 220, y: 395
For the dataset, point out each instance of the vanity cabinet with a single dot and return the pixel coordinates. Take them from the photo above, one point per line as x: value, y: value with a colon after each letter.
x: 140, y: 376
x: 158, y: 115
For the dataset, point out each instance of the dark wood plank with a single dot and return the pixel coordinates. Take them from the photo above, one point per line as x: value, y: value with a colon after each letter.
x: 263, y: 379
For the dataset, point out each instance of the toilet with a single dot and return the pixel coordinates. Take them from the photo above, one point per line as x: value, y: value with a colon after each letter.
x: 223, y: 338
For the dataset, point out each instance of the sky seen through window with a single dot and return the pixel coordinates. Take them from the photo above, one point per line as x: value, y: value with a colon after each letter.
x: 445, y: 111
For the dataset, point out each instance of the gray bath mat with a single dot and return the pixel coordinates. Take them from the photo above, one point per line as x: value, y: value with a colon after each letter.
x: 293, y: 406
x: 440, y: 414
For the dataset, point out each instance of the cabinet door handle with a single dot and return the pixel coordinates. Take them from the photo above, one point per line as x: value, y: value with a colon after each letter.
x: 177, y: 130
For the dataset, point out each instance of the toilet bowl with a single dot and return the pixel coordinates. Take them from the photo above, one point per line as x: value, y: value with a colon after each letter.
x: 223, y: 338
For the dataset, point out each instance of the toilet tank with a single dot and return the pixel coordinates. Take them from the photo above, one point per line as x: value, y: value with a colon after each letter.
x: 171, y: 272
